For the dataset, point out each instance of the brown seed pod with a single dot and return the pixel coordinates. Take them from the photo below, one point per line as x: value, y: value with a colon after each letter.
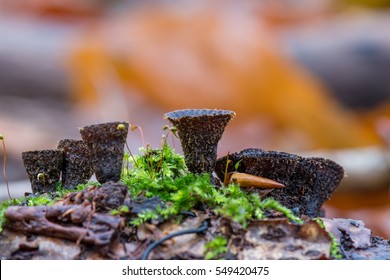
x: 252, y: 181
x: 77, y: 166
x: 106, y: 146
x: 43, y: 169
x: 309, y: 181
x: 199, y: 132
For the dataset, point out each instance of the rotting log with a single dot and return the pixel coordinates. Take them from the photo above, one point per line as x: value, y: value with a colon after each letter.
x: 73, y: 222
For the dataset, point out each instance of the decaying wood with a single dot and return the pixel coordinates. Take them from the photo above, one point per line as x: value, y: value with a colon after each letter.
x: 68, y: 222
x: 279, y: 239
x: 356, y: 240
x: 267, y: 239
x: 16, y: 245
x: 80, y: 220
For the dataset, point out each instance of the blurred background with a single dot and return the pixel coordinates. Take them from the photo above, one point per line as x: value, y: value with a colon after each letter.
x: 304, y: 76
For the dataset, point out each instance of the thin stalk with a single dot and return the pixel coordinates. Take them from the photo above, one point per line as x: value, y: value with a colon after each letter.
x: 132, y: 156
x: 5, y: 165
x: 172, y: 131
x: 225, y: 178
x: 123, y: 127
x: 148, y: 159
x: 134, y: 127
x: 201, y: 229
x: 164, y: 143
x: 142, y: 135
x: 173, y: 140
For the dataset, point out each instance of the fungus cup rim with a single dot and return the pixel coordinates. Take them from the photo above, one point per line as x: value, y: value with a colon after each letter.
x: 42, y: 152
x: 104, y: 132
x: 198, y: 113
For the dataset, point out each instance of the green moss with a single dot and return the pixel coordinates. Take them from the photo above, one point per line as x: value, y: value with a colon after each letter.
x: 273, y: 204
x: 335, y: 250
x: 156, y: 163
x: 145, y: 216
x: 163, y: 173
x: 38, y: 200
x: 3, y: 207
x: 43, y: 199
x: 216, y: 247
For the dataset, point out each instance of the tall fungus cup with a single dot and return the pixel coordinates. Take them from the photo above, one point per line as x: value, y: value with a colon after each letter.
x: 77, y: 166
x: 200, y: 131
x: 105, y: 143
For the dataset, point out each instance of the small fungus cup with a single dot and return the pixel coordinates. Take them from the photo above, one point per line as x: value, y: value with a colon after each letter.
x: 199, y: 132
x: 106, y: 147
x: 43, y: 169
x: 309, y: 182
x: 77, y: 166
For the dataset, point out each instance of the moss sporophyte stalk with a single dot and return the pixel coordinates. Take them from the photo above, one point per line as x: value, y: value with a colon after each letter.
x: 5, y: 165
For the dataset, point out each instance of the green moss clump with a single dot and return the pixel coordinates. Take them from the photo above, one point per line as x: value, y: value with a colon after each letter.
x: 38, y: 200
x: 156, y: 164
x: 216, y: 247
x: 43, y: 199
x: 162, y: 173
x: 3, y: 207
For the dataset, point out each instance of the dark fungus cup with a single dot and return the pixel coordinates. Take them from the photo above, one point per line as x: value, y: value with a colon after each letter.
x: 309, y: 182
x: 77, y: 166
x: 106, y: 146
x: 43, y: 169
x: 199, y: 132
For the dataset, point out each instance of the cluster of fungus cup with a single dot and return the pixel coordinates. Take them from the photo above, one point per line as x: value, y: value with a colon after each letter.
x: 199, y: 132
x: 105, y: 143
x: 309, y: 182
x: 43, y: 169
x: 302, y: 184
x: 77, y: 168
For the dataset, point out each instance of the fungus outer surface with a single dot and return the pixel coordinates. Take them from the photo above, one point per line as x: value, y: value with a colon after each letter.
x: 199, y: 131
x: 106, y: 146
x: 77, y: 167
x: 104, y: 132
x: 309, y: 181
x: 47, y: 162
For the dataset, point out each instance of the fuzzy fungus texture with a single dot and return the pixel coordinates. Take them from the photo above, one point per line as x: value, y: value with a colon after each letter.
x: 199, y: 132
x: 309, y: 181
x: 77, y: 167
x: 106, y: 146
x: 46, y: 162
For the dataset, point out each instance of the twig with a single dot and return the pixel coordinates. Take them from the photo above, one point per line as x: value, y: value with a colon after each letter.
x: 203, y: 227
